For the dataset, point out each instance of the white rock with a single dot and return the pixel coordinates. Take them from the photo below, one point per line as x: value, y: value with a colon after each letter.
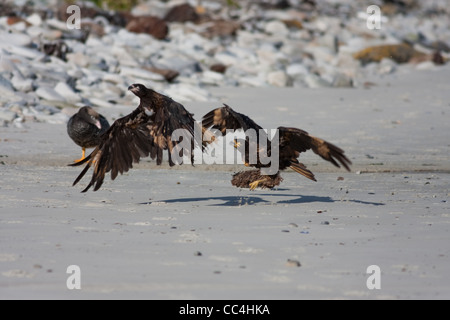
x: 6, y: 64
x: 313, y: 81
x: 7, y: 115
x: 23, y: 51
x: 57, y: 24
x: 226, y: 58
x: 211, y: 77
x: 5, y: 84
x: 183, y: 92
x: 34, y: 19
x: 21, y: 84
x: 278, y: 78
x: 296, y: 69
x: 253, y: 81
x: 386, y: 66
x: 49, y: 93
x: 426, y: 65
x: 276, y: 28
x: 141, y: 73
x: 101, y: 103
x: 14, y: 39
x: 67, y: 92
x: 342, y: 81
x: 78, y: 59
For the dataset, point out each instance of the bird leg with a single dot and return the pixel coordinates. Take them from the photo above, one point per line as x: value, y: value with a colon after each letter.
x: 83, y: 150
x: 253, y: 185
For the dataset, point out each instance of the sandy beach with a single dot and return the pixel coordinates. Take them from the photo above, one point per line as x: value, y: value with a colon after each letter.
x: 186, y: 233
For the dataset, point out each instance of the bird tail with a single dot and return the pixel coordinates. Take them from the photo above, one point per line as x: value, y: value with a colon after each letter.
x: 301, y: 168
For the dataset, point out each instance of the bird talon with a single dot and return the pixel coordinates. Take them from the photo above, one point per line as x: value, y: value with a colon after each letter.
x: 254, y: 184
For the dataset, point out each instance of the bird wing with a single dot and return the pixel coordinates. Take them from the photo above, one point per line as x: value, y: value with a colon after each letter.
x: 170, y: 117
x: 126, y: 141
x: 294, y: 141
x: 226, y: 118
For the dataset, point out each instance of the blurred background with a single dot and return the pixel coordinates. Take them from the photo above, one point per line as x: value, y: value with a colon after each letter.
x: 49, y: 67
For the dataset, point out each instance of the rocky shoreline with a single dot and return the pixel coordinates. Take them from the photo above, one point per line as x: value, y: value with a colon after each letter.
x: 184, y: 48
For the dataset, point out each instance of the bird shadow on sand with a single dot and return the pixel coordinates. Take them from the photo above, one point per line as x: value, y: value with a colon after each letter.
x: 269, y: 199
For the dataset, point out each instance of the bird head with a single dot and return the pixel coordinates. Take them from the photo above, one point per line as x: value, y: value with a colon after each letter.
x: 138, y: 89
x: 90, y: 115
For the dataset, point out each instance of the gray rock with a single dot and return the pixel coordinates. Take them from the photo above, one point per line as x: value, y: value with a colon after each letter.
x: 20, y: 83
x: 7, y: 115
x: 141, y: 73
x: 14, y: 39
x: 278, y: 79
x: 342, y: 81
x: 276, y: 28
x: 48, y: 93
x: 67, y: 92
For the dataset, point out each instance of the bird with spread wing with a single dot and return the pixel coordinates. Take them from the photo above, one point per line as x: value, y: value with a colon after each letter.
x: 291, y: 143
x: 147, y: 131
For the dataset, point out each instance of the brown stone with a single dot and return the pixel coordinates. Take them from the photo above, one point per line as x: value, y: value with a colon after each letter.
x: 154, y: 26
x: 182, y: 13
x: 218, y: 67
x: 221, y: 28
x: 400, y: 53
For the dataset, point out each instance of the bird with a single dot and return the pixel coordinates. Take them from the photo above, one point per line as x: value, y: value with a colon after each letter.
x: 85, y: 128
x: 146, y: 131
x: 291, y: 142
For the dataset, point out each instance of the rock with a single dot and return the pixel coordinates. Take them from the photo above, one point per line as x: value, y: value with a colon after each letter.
x: 278, y: 79
x: 293, y: 263
x: 220, y: 28
x: 276, y: 28
x: 218, y: 67
x: 141, y: 73
x: 48, y: 93
x: 12, y: 39
x: 386, y: 66
x: 151, y: 25
x: 67, y: 92
x: 211, y: 77
x: 314, y: 81
x: 184, y: 92
x: 20, y: 83
x: 182, y: 13
x: 78, y: 59
x: 226, y: 58
x: 5, y: 84
x: 14, y: 20
x: 168, y: 74
x: 34, y: 19
x: 7, y: 115
x: 400, y: 53
x: 22, y: 51
x: 341, y: 80
x: 297, y: 69
x: 58, y: 49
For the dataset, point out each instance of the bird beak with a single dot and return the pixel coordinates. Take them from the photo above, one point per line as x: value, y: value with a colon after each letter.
x: 133, y: 89
x: 236, y: 144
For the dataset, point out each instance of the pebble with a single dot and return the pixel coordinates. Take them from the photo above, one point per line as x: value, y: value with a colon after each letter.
x: 183, y: 51
x: 67, y: 92
x: 293, y: 263
x: 48, y: 93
